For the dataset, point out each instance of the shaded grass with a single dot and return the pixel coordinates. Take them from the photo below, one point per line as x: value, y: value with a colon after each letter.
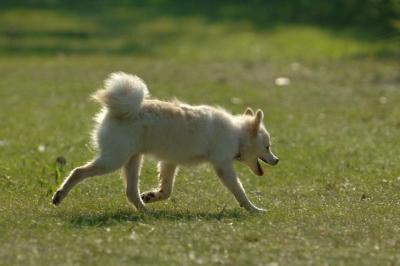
x: 164, y: 28
x: 365, y: 18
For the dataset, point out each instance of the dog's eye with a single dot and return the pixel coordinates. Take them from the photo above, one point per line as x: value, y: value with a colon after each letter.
x: 268, y: 147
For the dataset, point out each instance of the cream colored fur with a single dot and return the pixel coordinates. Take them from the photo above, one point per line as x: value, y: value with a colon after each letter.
x: 131, y: 124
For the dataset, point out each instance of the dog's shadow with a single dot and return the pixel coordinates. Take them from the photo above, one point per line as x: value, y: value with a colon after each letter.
x: 106, y: 219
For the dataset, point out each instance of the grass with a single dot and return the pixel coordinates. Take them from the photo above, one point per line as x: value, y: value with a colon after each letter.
x: 333, y: 199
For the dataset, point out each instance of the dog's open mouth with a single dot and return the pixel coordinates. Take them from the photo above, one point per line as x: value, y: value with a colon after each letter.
x: 260, y: 171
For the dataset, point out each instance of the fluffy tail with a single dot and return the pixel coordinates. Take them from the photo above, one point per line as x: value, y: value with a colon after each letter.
x: 123, y: 94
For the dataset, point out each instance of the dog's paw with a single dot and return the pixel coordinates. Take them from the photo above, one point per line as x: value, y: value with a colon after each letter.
x: 58, y: 197
x: 260, y: 210
x: 254, y: 209
x: 145, y: 198
x: 148, y: 197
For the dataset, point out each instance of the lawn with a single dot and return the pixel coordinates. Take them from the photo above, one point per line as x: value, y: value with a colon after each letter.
x: 333, y: 199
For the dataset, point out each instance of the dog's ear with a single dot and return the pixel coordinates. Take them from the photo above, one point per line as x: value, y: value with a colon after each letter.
x: 255, y: 126
x: 248, y: 111
x: 259, y: 116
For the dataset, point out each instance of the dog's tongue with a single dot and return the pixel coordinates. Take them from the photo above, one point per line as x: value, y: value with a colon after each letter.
x: 259, y: 168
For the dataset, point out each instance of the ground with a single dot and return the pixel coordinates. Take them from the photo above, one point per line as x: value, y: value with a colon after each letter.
x: 333, y: 199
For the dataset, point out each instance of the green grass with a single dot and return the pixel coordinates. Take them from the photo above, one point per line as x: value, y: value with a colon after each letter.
x: 333, y: 199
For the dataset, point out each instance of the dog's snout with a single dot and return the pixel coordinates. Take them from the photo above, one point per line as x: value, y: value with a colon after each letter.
x: 276, y: 161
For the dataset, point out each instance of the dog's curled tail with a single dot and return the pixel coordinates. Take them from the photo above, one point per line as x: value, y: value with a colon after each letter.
x: 122, y: 95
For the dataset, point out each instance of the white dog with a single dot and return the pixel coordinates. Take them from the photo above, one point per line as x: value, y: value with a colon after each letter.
x: 131, y: 125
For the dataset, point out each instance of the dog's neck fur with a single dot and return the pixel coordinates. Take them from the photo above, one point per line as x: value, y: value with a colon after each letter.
x: 238, y: 155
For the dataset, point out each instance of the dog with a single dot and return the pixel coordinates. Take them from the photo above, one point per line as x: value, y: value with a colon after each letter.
x: 131, y: 124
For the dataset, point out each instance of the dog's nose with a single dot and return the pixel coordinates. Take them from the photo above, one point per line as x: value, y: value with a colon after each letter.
x: 276, y: 161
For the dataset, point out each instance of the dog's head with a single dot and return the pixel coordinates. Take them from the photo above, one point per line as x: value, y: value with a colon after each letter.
x: 255, y: 143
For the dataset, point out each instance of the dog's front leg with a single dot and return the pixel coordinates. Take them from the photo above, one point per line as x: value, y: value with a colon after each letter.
x: 130, y: 173
x: 227, y: 175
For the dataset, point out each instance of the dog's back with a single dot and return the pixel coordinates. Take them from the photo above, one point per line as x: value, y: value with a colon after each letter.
x: 184, y: 133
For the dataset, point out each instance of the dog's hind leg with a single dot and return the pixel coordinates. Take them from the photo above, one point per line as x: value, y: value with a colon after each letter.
x: 167, y: 172
x: 227, y: 175
x: 130, y: 173
x: 99, y: 166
